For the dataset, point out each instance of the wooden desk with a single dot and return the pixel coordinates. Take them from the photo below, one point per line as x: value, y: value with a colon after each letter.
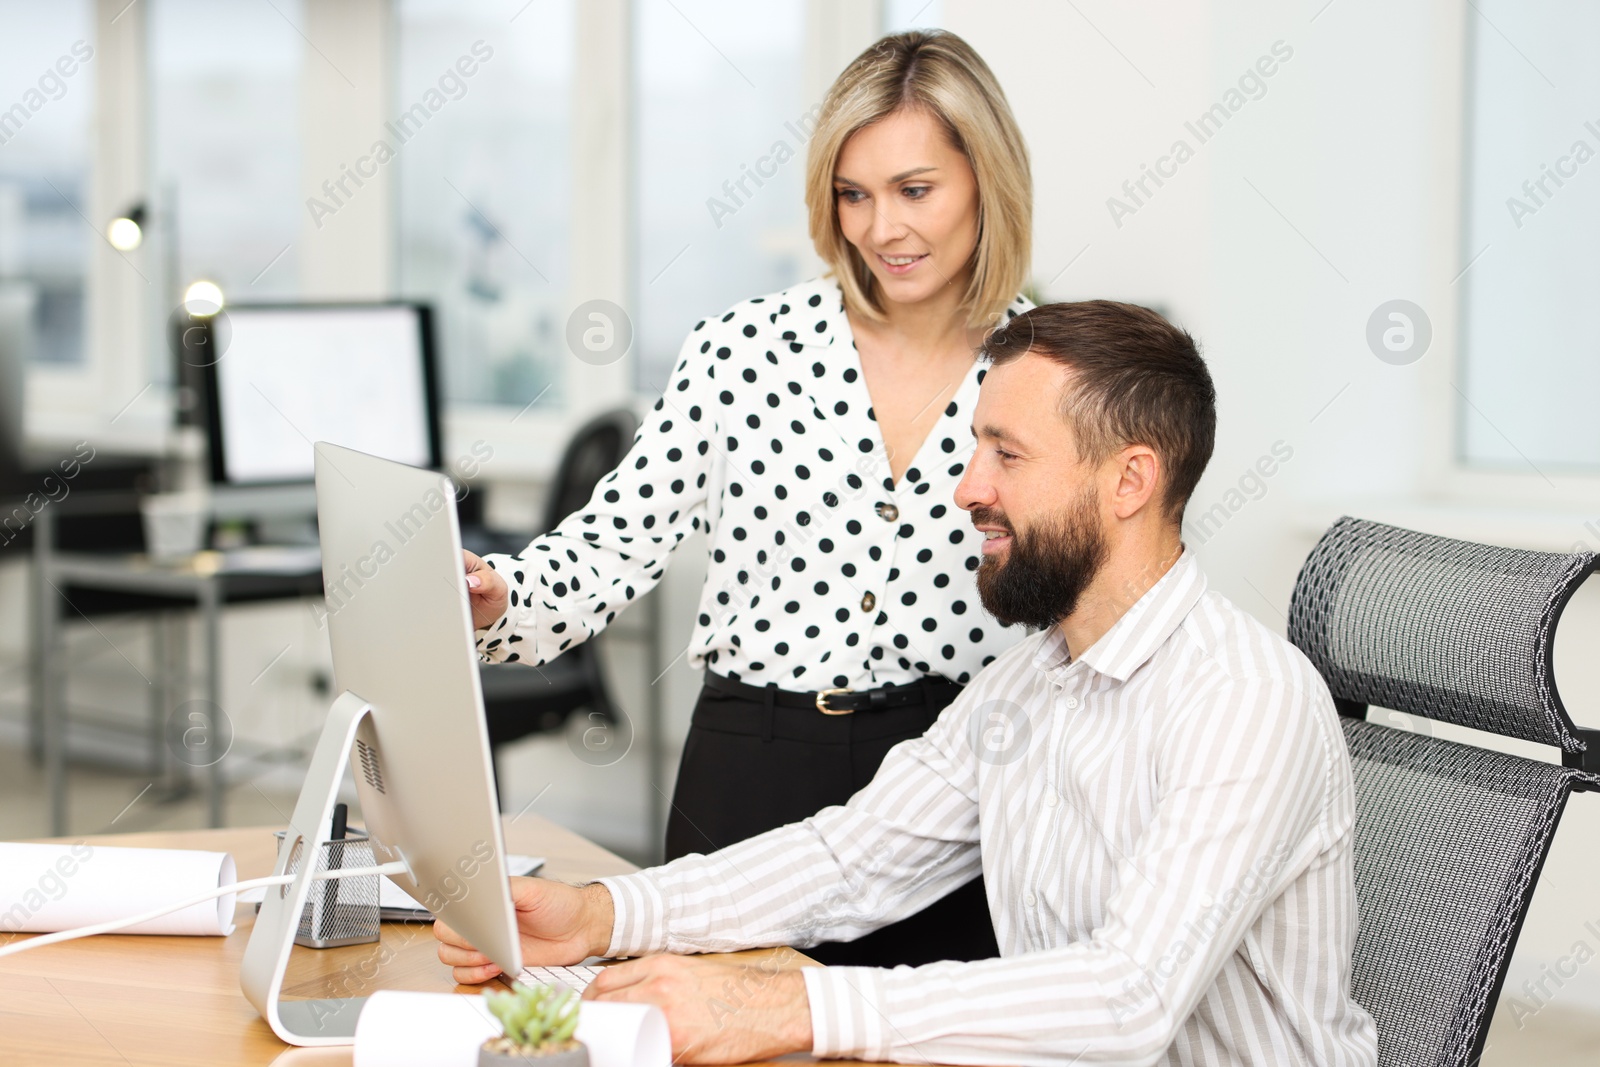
x: 133, y: 1000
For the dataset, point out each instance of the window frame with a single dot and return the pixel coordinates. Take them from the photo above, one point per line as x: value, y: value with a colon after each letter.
x: 106, y: 398
x: 1446, y: 474
x: 92, y: 400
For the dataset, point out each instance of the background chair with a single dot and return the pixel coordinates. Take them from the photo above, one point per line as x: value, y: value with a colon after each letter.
x: 1449, y: 838
x: 522, y: 700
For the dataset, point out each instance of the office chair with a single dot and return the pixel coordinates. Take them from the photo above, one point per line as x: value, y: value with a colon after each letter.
x: 1449, y: 837
x: 518, y: 700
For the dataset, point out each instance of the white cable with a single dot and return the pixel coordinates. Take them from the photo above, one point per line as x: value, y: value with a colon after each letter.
x: 397, y: 867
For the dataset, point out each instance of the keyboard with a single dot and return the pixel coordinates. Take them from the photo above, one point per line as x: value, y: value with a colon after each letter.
x: 574, y: 978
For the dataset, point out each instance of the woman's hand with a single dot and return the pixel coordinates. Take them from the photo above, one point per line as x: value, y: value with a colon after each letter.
x: 560, y: 925
x: 486, y: 591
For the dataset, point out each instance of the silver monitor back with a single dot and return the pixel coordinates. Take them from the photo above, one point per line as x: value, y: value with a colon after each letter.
x: 401, y: 630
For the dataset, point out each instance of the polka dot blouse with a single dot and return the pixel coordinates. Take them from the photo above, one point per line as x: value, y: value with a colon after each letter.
x: 824, y: 572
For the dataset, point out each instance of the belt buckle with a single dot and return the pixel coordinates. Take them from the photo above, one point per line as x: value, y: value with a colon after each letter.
x: 822, y: 702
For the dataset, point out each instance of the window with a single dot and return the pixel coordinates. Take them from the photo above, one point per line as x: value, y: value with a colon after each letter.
x: 226, y: 131
x: 1530, y: 355
x: 47, y: 76
x: 484, y: 190
x: 719, y: 164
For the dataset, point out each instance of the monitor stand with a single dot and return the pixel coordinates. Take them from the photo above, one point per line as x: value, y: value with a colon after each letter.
x: 325, y: 1021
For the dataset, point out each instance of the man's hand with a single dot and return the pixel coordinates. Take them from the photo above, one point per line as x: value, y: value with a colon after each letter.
x: 486, y: 591
x: 718, y: 1010
x: 560, y: 925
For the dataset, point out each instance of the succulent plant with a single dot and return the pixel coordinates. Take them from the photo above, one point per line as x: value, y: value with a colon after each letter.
x: 536, y: 1016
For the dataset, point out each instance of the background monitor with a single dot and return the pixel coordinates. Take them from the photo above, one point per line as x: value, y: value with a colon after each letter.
x: 358, y: 375
x: 16, y: 340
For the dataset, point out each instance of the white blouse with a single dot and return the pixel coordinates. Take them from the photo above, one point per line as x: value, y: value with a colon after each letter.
x: 824, y: 572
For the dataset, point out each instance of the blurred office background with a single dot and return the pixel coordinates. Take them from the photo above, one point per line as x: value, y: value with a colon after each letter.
x: 1380, y: 225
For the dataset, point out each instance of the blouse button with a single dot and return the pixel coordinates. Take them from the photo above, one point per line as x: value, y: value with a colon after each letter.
x: 868, y: 602
x: 888, y: 512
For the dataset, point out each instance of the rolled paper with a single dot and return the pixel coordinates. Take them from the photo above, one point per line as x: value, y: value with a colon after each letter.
x: 45, y: 888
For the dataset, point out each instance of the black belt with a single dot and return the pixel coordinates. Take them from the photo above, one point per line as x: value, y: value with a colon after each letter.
x: 841, y: 701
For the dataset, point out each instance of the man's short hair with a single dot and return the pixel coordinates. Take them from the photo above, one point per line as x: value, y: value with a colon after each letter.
x: 1136, y: 379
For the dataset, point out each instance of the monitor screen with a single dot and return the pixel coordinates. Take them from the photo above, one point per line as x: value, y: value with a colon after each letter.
x: 358, y: 375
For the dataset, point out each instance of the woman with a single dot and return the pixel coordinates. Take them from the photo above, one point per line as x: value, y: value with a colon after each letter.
x: 818, y: 434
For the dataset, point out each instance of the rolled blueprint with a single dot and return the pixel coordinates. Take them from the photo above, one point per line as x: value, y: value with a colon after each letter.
x: 45, y: 888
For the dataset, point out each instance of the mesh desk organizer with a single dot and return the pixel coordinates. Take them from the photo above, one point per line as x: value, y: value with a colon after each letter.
x: 1449, y: 837
x: 343, y: 912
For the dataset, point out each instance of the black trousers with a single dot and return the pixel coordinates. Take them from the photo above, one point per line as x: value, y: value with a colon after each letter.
x: 749, y: 767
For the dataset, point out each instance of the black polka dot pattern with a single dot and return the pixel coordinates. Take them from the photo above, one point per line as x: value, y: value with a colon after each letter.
x: 822, y: 571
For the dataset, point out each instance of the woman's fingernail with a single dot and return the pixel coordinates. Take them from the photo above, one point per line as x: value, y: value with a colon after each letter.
x: 473, y: 581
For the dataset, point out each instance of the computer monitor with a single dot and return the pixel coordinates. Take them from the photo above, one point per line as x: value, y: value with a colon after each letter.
x: 408, y: 720
x: 360, y: 375
x: 16, y: 338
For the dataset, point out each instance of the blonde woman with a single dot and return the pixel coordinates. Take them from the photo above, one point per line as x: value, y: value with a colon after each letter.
x: 818, y: 435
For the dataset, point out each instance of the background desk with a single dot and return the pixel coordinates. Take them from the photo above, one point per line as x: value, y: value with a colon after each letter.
x: 134, y: 1000
x: 62, y: 578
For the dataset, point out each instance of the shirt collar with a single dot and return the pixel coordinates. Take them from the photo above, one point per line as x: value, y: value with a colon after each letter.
x: 1141, y: 630
x: 809, y: 330
x: 796, y: 314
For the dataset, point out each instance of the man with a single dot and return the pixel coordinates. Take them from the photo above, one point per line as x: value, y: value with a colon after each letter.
x: 1154, y: 786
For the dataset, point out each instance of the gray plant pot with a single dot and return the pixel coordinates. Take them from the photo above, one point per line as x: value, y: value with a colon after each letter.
x: 576, y: 1055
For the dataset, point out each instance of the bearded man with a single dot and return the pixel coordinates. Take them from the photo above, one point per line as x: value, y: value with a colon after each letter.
x: 1154, y: 786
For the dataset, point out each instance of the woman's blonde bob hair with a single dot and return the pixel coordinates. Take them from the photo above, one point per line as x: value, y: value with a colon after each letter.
x: 939, y: 73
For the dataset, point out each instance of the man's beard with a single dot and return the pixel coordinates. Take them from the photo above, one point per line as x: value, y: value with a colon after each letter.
x: 1046, y: 570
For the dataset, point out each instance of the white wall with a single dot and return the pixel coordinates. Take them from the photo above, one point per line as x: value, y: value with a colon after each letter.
x: 1335, y: 144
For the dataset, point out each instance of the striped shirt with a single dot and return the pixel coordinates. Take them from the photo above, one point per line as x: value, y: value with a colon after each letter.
x: 1164, y: 825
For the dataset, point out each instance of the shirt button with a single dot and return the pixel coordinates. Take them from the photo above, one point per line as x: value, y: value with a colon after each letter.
x: 1051, y: 800
x: 888, y: 512
x: 868, y: 602
x: 1030, y: 900
x: 1072, y: 703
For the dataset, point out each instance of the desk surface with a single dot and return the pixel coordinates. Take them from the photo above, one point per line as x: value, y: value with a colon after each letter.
x: 132, y: 1000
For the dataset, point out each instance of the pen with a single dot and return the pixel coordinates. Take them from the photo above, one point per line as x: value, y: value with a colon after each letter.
x: 330, y: 891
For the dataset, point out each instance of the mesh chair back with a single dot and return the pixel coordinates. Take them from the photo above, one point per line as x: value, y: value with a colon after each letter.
x: 1449, y: 838
x: 1450, y: 630
x: 593, y: 452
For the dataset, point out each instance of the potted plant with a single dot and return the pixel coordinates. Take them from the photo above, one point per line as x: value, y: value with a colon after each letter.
x: 538, y: 1023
